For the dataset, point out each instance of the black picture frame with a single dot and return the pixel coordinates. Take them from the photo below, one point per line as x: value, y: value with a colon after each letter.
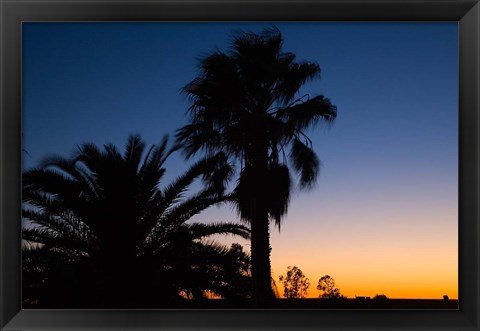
x: 13, y: 12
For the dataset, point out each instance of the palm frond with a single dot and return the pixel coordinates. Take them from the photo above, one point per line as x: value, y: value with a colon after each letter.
x: 197, y: 136
x: 152, y: 170
x: 309, y: 113
x: 292, y: 77
x: 49, y: 181
x: 269, y: 189
x: 69, y: 167
x: 48, y: 221
x: 55, y: 189
x: 183, y: 211
x: 112, y: 152
x: 133, y: 152
x: 43, y: 201
x: 52, y: 239
x: 90, y: 155
x: 305, y: 162
x: 201, y: 230
x: 279, y: 187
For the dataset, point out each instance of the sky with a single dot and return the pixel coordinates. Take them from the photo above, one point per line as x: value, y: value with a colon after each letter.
x: 383, y: 217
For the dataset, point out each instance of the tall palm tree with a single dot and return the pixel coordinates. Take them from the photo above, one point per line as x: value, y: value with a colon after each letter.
x: 101, y: 219
x: 246, y: 105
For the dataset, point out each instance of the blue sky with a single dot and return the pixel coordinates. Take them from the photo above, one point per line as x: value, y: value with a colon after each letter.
x: 391, y: 154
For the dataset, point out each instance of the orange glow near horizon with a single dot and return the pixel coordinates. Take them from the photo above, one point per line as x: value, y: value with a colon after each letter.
x: 402, y: 281
x: 404, y: 259
x: 404, y: 253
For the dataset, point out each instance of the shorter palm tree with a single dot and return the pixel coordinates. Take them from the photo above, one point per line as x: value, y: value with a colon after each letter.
x: 105, y: 234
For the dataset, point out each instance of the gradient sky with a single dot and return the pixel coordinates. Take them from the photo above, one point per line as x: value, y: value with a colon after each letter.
x: 383, y: 217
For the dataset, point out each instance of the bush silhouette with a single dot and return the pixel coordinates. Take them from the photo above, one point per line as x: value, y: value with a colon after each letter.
x: 295, y: 284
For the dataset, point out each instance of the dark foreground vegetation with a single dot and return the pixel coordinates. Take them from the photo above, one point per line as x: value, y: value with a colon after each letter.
x: 275, y: 304
x: 103, y: 231
x: 364, y: 304
x: 311, y: 304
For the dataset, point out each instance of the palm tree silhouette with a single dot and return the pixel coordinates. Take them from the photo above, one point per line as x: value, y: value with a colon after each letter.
x: 245, y: 105
x: 101, y: 219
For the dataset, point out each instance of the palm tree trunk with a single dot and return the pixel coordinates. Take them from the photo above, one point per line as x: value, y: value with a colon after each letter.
x: 261, y: 270
x: 260, y: 249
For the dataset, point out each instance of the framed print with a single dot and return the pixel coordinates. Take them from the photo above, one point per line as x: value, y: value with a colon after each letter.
x: 240, y: 165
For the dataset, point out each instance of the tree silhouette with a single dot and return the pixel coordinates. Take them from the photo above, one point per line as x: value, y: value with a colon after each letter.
x: 327, y: 285
x: 104, y: 233
x: 295, y: 284
x: 246, y: 104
